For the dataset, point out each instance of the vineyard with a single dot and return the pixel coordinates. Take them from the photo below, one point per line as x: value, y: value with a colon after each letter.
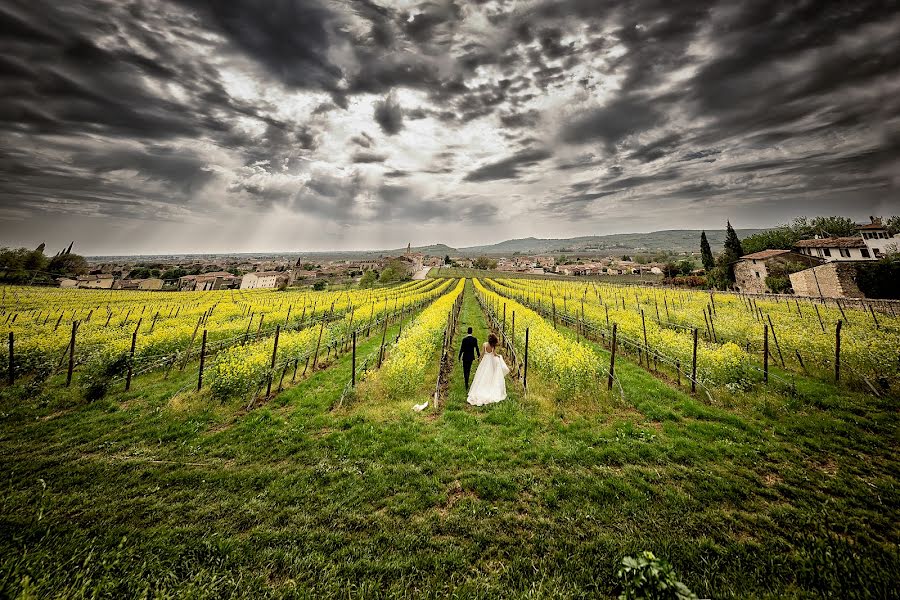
x: 263, y: 444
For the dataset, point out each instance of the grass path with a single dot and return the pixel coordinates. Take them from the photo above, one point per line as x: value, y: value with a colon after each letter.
x: 472, y: 316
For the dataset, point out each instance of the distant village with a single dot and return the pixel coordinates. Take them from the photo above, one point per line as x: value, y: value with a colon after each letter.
x: 238, y: 273
x: 820, y: 266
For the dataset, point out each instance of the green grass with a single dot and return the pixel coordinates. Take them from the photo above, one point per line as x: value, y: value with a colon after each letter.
x: 756, y: 495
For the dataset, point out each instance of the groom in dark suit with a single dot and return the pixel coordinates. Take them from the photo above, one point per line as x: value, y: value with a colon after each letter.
x: 468, y: 350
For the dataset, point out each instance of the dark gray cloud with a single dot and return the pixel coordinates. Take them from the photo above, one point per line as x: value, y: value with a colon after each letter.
x: 510, y: 167
x: 610, y: 124
x: 171, y: 110
x: 389, y: 115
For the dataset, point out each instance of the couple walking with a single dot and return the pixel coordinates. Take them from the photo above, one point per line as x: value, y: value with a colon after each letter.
x: 489, y: 385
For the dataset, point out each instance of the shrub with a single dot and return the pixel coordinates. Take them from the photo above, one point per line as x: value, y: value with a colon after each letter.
x: 646, y: 577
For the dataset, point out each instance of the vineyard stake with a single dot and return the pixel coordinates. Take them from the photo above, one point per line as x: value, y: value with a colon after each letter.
x: 318, y: 343
x: 353, y: 363
x: 874, y: 318
x: 837, y: 351
x: 646, y: 345
x: 131, y: 360
x: 259, y: 329
x: 71, y: 353
x: 766, y: 352
x: 525, y: 375
x: 187, y: 353
x: 612, y: 359
x: 694, y: 365
x: 202, y: 361
x: 775, y: 337
x: 272, y: 367
x: 800, y: 360
x: 12, y: 375
x: 383, y: 335
x: 821, y: 324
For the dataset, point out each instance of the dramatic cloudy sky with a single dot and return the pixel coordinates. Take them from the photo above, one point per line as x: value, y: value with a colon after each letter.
x: 215, y: 125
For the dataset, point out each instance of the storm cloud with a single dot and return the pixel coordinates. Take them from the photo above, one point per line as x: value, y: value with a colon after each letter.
x: 315, y: 123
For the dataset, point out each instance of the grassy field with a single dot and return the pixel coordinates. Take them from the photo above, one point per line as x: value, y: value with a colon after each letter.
x: 145, y: 494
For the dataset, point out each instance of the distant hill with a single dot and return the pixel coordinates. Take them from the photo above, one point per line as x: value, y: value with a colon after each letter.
x: 673, y: 240
x: 676, y: 240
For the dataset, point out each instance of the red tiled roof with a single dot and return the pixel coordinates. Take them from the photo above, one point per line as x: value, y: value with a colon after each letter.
x: 841, y: 242
x: 765, y: 254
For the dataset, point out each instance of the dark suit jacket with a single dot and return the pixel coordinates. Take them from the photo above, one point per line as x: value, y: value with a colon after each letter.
x: 469, y: 348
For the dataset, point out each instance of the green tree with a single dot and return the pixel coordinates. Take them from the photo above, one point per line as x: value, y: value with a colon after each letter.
x: 785, y: 236
x: 732, y: 242
x: 447, y: 260
x: 68, y: 264
x: 484, y: 263
x: 893, y: 225
x: 368, y: 280
x: 320, y: 285
x: 881, y: 278
x: 395, y: 271
x: 706, y: 255
x: 686, y: 266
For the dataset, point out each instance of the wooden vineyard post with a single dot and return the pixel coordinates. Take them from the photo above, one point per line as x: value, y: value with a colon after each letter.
x: 678, y: 372
x: 12, y: 374
x: 503, y: 329
x: 383, y: 335
x: 694, y: 364
x: 272, y: 366
x: 318, y: 344
x: 187, y: 352
x: 525, y: 374
x: 513, y: 333
x: 71, y: 354
x: 612, y: 359
x: 353, y: 363
x: 646, y: 345
x: 246, y: 333
x: 202, y: 362
x: 821, y: 323
x: 874, y: 318
x: 766, y: 352
x: 259, y: 329
x: 131, y: 361
x: 775, y: 337
x: 837, y: 351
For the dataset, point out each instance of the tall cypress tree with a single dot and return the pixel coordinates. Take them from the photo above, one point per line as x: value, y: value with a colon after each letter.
x: 706, y: 253
x: 732, y: 242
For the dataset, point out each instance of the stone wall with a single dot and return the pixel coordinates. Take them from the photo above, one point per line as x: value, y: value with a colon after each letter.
x: 831, y: 280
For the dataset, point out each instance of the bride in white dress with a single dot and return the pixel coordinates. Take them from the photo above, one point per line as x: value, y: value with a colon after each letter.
x: 489, y: 385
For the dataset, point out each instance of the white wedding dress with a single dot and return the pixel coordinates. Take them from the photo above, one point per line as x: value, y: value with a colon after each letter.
x: 489, y: 385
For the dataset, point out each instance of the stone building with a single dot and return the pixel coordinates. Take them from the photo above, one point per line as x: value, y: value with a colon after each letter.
x: 751, y: 270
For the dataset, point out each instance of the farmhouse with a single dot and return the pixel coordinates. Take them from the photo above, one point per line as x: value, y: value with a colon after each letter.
x: 751, y: 270
x: 262, y: 280
x: 217, y: 280
x: 877, y: 239
x: 836, y: 249
x: 96, y: 282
